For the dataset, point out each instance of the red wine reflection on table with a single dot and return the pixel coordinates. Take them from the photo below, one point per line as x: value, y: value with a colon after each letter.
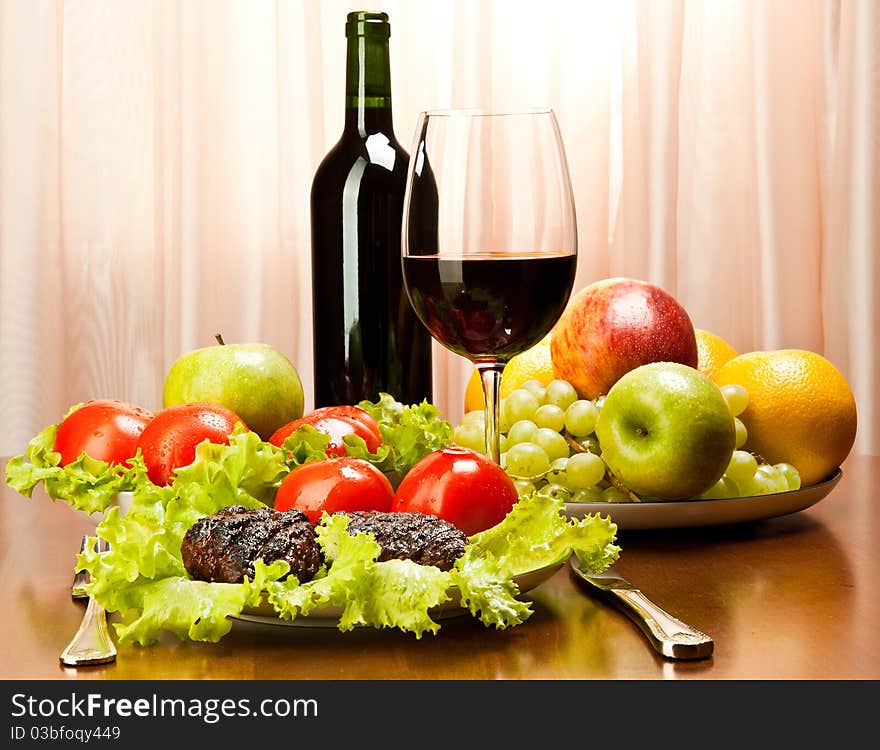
x: 490, y: 306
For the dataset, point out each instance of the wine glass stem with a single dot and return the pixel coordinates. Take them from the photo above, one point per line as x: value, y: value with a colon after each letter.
x: 490, y: 375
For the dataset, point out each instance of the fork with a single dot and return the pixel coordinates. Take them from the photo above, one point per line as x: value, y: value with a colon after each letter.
x: 92, y: 643
x: 80, y: 578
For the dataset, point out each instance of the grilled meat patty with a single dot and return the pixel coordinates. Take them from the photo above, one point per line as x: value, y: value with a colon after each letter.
x: 422, y: 538
x: 223, y: 547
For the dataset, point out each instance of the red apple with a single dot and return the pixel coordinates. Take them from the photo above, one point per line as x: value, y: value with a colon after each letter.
x: 615, y: 325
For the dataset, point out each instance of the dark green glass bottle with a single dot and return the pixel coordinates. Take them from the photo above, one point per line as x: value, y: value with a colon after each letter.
x: 367, y: 339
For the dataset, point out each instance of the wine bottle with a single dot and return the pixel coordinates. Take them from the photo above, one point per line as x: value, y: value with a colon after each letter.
x: 367, y: 338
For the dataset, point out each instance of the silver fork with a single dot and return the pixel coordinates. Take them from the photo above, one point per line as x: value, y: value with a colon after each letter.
x: 92, y: 643
x: 80, y: 578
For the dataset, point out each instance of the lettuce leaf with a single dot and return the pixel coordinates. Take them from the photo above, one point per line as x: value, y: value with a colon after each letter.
x: 142, y: 576
x: 85, y: 484
x: 197, y: 610
x: 535, y: 534
x: 393, y: 593
x: 304, y: 445
x: 242, y: 471
x: 409, y: 432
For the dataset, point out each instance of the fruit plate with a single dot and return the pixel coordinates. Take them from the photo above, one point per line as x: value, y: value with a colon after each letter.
x: 328, y: 616
x: 686, y: 513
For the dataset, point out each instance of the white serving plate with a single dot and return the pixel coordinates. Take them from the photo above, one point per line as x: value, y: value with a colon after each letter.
x: 673, y: 514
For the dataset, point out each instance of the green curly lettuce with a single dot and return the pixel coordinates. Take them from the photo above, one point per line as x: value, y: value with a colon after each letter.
x: 142, y: 576
x: 245, y: 468
x: 86, y: 484
x: 409, y: 433
x: 535, y: 534
x: 393, y: 593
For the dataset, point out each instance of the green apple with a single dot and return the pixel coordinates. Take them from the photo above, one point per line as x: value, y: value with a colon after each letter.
x: 256, y: 381
x: 665, y: 431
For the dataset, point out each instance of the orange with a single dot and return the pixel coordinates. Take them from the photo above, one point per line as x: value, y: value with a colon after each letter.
x: 532, y: 364
x: 713, y: 351
x: 801, y: 409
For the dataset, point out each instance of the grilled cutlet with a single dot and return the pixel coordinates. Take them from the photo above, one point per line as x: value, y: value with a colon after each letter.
x: 224, y: 546
x: 422, y: 538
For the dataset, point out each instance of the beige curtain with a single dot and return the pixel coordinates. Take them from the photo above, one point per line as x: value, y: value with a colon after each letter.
x: 156, y: 158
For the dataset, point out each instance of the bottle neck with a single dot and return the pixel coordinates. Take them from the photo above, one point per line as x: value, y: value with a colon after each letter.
x: 368, y: 86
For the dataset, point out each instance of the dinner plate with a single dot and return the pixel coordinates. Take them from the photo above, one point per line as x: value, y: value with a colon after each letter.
x: 671, y: 514
x: 328, y: 616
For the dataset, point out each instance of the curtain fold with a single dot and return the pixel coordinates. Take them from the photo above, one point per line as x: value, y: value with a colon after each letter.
x: 156, y: 161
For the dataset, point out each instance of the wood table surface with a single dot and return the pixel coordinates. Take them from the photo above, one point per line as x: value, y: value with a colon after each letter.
x: 795, y: 597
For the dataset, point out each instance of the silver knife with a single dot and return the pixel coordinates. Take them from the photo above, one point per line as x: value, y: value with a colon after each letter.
x: 668, y: 635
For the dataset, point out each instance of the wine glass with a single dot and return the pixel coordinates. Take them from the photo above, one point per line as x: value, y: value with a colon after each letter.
x: 489, y: 237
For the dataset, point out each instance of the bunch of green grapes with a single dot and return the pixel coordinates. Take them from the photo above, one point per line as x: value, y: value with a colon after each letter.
x: 747, y: 474
x: 548, y: 442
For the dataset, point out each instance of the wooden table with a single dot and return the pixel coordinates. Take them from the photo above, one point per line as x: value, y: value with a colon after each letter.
x: 796, y: 597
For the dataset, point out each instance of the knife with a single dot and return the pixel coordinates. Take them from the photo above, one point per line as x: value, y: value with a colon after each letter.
x: 669, y: 636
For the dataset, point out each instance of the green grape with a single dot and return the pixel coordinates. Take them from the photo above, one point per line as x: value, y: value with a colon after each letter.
x: 522, y: 432
x: 555, y: 491
x: 477, y: 415
x: 520, y: 404
x: 741, y: 433
x: 762, y: 484
x: 724, y: 487
x: 523, y: 487
x: 589, y: 495
x: 584, y: 470
x: 504, y: 422
x: 536, y: 388
x: 527, y: 460
x: 550, y: 415
x: 502, y: 459
x: 776, y: 477
x: 742, y: 468
x: 746, y: 487
x: 470, y: 435
x: 614, y: 495
x: 737, y: 399
x: 554, y: 445
x: 503, y: 442
x: 791, y: 474
x: 599, y: 401
x: 580, y: 418
x: 560, y: 393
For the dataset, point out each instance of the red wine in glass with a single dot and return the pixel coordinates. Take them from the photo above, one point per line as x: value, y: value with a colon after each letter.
x: 492, y: 307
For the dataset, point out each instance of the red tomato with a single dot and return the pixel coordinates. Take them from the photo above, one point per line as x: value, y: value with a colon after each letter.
x: 105, y: 429
x: 351, y: 412
x: 459, y: 485
x: 336, y: 484
x: 337, y: 427
x: 169, y: 441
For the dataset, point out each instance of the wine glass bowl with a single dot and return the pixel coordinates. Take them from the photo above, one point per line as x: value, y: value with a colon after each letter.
x: 489, y: 238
